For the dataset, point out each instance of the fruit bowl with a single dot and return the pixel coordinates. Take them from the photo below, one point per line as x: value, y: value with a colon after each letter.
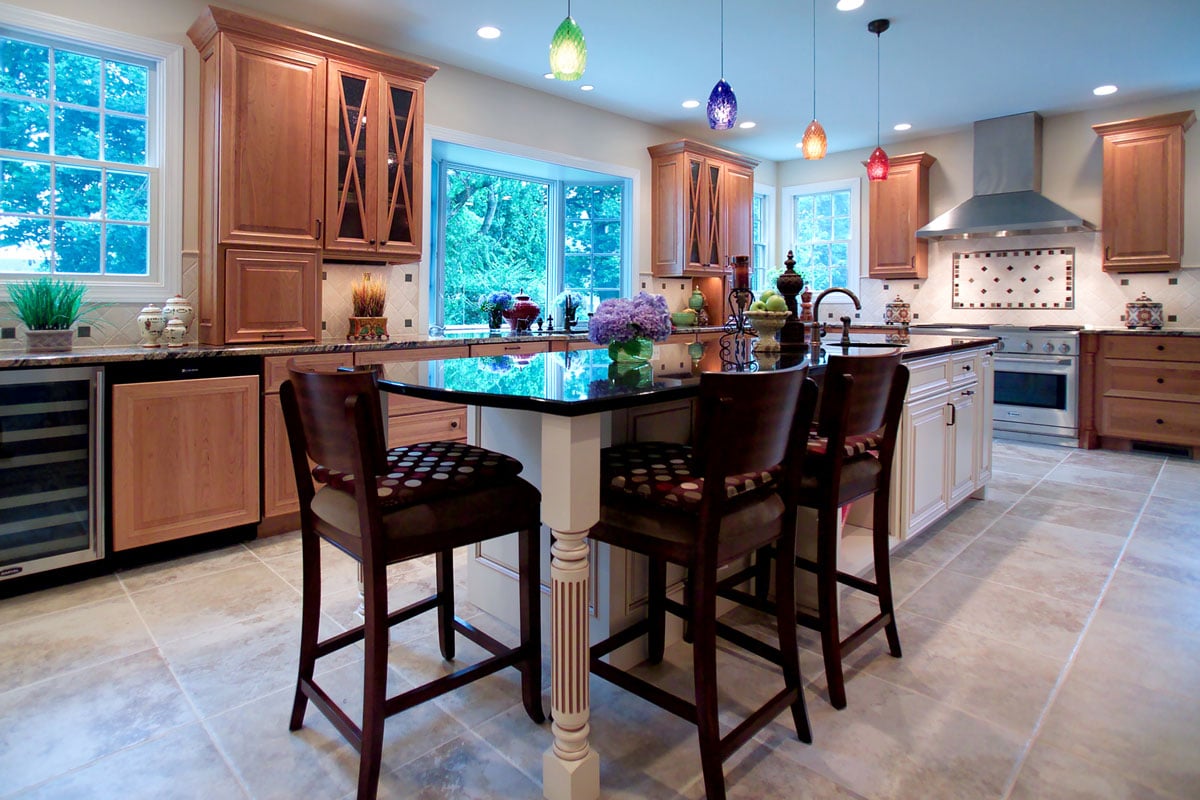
x: 767, y: 324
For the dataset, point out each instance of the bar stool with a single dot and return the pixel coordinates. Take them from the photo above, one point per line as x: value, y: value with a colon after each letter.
x: 850, y: 454
x: 704, y: 508
x: 385, y: 506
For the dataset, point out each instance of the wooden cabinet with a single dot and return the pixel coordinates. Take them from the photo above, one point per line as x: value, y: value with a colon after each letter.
x: 310, y: 146
x: 280, y: 503
x: 411, y: 419
x: 702, y: 207
x: 1142, y: 224
x: 185, y: 458
x: 373, y: 168
x: 899, y: 206
x: 271, y: 295
x: 1144, y: 388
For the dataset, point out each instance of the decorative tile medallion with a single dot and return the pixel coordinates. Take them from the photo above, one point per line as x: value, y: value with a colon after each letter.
x: 1042, y: 278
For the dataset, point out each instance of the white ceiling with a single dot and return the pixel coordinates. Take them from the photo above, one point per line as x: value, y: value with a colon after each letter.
x: 945, y: 63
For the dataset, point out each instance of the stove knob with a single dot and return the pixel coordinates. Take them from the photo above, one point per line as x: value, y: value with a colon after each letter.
x: 1064, y: 348
x: 1028, y: 347
x: 1048, y: 347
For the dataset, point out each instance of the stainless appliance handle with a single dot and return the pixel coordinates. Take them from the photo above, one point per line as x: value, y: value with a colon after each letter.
x: 1019, y: 361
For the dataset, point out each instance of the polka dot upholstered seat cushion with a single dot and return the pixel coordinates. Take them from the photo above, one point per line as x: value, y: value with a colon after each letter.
x: 664, y: 473
x: 855, y: 445
x: 420, y: 473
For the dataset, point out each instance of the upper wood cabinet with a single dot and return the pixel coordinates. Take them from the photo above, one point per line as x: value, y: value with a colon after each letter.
x: 1142, y: 221
x: 702, y: 207
x: 373, y: 169
x: 899, y: 206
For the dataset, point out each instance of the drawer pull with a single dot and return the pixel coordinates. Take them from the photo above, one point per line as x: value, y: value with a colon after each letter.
x: 1161, y: 347
x: 454, y: 424
x: 968, y: 393
x: 966, y: 367
x: 1160, y: 380
x: 1159, y: 421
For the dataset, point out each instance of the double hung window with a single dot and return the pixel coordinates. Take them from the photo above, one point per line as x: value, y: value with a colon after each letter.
x: 824, y: 232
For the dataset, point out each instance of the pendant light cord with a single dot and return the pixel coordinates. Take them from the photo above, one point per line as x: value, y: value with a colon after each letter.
x: 814, y: 49
x: 877, y: 89
x: 722, y: 39
x: 568, y: 9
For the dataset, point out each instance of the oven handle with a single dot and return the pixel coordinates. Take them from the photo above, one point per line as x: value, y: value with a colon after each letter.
x: 1019, y: 360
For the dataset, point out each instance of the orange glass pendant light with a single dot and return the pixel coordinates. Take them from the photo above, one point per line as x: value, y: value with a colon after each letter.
x: 814, y: 144
x: 877, y: 164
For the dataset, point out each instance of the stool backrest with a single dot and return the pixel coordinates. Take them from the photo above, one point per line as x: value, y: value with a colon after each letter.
x: 338, y: 414
x: 858, y: 397
x: 748, y: 420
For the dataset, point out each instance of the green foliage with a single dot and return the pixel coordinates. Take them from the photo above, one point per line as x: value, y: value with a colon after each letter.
x: 49, y: 304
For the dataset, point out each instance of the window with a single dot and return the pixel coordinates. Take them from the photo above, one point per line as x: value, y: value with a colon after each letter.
x: 824, y: 232
x: 89, y: 164
x: 763, y: 274
x: 506, y: 222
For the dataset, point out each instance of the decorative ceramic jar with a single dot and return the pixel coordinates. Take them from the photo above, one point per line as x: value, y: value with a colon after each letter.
x: 180, y: 308
x: 368, y: 329
x: 1144, y: 313
x: 150, y: 325
x: 522, y: 314
x: 175, y: 333
x: 897, y: 312
x: 696, y: 303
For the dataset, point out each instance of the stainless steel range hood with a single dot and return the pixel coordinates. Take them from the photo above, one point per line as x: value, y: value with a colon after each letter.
x: 1008, y: 182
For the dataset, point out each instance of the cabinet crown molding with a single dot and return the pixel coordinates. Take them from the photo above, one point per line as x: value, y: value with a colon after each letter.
x: 1183, y: 119
x: 923, y: 159
x: 701, y: 149
x: 214, y: 20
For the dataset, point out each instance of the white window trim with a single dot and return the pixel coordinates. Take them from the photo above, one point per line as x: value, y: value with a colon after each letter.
x: 166, y: 239
x: 768, y: 223
x: 854, y: 251
x: 432, y: 132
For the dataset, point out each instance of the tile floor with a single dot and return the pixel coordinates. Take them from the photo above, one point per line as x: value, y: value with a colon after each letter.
x: 1051, y: 641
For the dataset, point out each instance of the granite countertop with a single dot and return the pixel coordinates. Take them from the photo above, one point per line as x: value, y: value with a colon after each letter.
x: 1144, y: 331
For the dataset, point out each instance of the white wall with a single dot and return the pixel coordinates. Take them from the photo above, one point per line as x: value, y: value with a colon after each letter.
x: 1072, y: 174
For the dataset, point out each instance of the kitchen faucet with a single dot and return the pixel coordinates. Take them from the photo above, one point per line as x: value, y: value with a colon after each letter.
x: 815, y: 343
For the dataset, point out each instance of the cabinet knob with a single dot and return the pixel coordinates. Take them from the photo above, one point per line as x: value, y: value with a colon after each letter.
x: 1160, y: 380
x: 370, y: 241
x: 1161, y: 347
x: 1159, y: 421
x: 966, y: 367
x: 454, y: 423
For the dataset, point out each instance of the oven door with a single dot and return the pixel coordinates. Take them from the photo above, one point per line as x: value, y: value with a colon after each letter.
x: 1037, y: 394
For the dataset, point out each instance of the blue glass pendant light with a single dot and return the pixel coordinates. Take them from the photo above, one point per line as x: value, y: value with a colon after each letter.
x: 722, y: 104
x: 568, y: 51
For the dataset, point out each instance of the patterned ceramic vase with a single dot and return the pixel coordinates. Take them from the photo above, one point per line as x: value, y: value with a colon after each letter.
x: 151, y: 323
x: 180, y: 308
x: 1144, y: 313
x: 175, y: 333
x: 897, y: 312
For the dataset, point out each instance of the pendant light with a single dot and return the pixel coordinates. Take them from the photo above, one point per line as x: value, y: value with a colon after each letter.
x: 877, y: 164
x: 722, y: 105
x: 568, y: 52
x: 814, y: 143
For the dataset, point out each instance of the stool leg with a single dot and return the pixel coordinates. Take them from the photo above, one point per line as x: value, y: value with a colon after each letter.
x: 375, y: 642
x: 883, y: 570
x: 310, y: 622
x: 827, y: 599
x: 531, y: 623
x: 785, y: 620
x: 656, y: 614
x: 703, y: 604
x: 445, y: 610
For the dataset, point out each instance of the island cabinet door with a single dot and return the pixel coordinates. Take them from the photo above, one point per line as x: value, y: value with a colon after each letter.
x: 184, y: 458
x: 925, y: 435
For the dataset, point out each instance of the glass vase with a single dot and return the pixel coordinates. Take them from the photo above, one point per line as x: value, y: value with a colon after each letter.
x: 495, y: 319
x: 639, y: 350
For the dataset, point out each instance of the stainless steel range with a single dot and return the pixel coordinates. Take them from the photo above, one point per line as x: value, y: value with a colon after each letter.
x: 1037, y: 379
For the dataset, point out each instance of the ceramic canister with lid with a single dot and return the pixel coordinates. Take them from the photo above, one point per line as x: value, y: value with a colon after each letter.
x: 1143, y: 313
x: 180, y: 308
x: 150, y: 325
x: 897, y: 312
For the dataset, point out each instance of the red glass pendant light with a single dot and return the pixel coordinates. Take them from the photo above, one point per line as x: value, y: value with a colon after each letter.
x: 877, y: 164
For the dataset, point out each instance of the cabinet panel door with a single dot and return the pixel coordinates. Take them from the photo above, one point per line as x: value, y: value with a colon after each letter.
x: 279, y: 479
x: 271, y: 296
x: 925, y: 442
x: 402, y: 144
x: 272, y: 144
x: 739, y: 207
x: 672, y: 215
x: 350, y: 169
x: 1142, y: 202
x: 184, y: 458
x: 965, y: 431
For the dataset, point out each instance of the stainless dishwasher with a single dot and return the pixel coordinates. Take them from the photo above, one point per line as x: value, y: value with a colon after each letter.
x: 51, y: 497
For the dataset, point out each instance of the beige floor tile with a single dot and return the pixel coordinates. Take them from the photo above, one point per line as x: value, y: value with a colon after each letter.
x: 1154, y: 598
x: 186, y: 568
x: 1045, y: 454
x: 1013, y: 564
x: 1012, y: 466
x: 1075, y: 473
x: 1051, y: 774
x: 1151, y: 737
x: 211, y: 601
x: 973, y: 516
x: 1094, y: 496
x: 935, y: 548
x: 1115, y: 461
x: 989, y: 679
x: 1143, y: 652
x: 24, y: 607
x: 891, y: 742
x: 1164, y: 548
x: 1056, y: 539
x: 278, y: 545
x: 229, y: 666
x: 1181, y: 469
x: 466, y: 768
x: 1014, y: 482
x: 757, y: 773
x: 183, y: 765
x: 1034, y: 621
x: 67, y: 721
x: 1178, y: 488
x: 63, y: 641
x: 1115, y: 522
x: 1173, y: 511
x: 339, y: 571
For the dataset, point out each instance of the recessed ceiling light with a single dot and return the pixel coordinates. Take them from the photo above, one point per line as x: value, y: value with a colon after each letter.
x: 747, y: 124
x: 903, y: 126
x: 691, y: 103
x: 488, y: 32
x: 849, y: 5
x: 587, y: 87
x: 548, y: 76
x: 1107, y: 88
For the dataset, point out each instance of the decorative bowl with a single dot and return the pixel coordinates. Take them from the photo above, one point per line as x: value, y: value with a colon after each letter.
x: 683, y: 319
x: 767, y: 324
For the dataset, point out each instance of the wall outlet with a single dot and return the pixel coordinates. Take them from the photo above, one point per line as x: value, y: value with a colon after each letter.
x: 8, y: 333
x: 83, y: 331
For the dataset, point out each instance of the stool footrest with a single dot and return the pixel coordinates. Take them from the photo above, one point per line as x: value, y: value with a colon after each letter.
x: 335, y: 643
x: 876, y: 623
x: 757, y: 720
x: 645, y: 690
x: 619, y: 639
x: 448, y: 683
x: 333, y: 713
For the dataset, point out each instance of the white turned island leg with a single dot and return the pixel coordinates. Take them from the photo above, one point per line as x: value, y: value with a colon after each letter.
x: 570, y: 506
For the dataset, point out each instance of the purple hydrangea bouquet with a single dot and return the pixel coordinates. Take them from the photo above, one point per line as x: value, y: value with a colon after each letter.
x: 627, y: 326
x: 492, y: 303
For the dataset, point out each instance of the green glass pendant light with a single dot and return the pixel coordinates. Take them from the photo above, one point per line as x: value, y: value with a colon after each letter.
x: 568, y: 51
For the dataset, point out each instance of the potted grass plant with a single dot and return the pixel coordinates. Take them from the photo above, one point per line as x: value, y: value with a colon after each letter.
x: 49, y: 308
x: 368, y: 323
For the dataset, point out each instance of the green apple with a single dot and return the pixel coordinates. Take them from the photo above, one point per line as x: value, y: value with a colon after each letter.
x: 776, y: 302
x: 766, y: 294
x: 758, y: 305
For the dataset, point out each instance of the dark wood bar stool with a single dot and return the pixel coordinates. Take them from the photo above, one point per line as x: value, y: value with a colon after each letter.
x: 704, y: 508
x: 385, y: 506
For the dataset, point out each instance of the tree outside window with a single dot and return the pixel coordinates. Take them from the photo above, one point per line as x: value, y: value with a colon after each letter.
x: 824, y: 232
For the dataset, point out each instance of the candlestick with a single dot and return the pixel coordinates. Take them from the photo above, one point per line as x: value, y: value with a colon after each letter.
x: 741, y: 272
